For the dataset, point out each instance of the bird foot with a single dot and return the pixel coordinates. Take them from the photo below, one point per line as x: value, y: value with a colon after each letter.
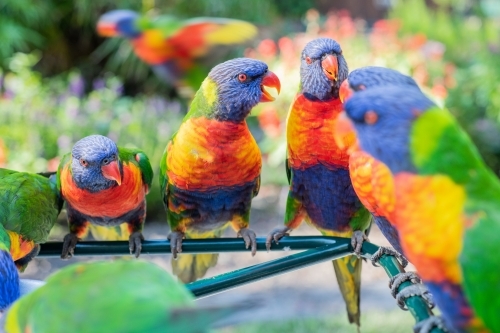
x: 357, y: 239
x: 390, y: 252
x: 396, y: 281
x: 175, y: 238
x: 135, y: 243
x: 426, y: 325
x: 69, y: 244
x: 276, y: 235
x: 250, y: 239
x: 414, y: 290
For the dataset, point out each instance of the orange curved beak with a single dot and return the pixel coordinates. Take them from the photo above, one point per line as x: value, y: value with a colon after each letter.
x: 106, y: 29
x: 330, y: 67
x: 270, y: 80
x: 112, y: 171
x: 345, y: 92
x: 345, y: 135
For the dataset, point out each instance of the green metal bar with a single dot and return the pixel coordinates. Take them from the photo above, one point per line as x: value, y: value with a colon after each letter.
x: 211, y: 245
x: 223, y: 282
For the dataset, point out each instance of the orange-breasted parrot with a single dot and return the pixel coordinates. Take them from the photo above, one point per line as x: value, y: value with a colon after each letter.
x: 104, y: 185
x: 121, y: 296
x: 210, y: 170
x: 318, y: 169
x: 445, y: 202
x: 173, y: 47
x: 29, y: 206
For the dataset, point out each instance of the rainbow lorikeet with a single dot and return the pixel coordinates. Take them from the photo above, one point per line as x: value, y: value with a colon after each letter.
x: 29, y: 206
x: 174, y: 47
x: 121, y: 296
x: 104, y: 185
x: 445, y: 202
x: 318, y: 170
x: 210, y: 170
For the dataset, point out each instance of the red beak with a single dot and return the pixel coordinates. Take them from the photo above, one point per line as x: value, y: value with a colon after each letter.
x: 270, y: 80
x: 344, y: 134
x: 345, y: 92
x: 112, y: 171
x: 331, y: 67
x: 106, y: 29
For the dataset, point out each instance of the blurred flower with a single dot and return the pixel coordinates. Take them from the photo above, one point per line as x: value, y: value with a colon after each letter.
x: 267, y: 48
x: 269, y: 121
x: 76, y: 85
x: 53, y: 164
x: 3, y: 154
x: 98, y: 84
x: 433, y: 50
x: 439, y: 90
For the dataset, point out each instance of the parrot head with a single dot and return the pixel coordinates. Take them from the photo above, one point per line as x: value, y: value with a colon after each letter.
x: 322, y: 69
x: 383, y: 118
x: 95, y: 165
x: 373, y: 76
x: 9, y: 280
x: 119, y: 22
x: 234, y: 87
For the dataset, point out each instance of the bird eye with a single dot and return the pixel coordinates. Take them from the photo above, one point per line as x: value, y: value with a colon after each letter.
x: 83, y: 162
x: 371, y: 117
x: 105, y: 161
x: 113, y: 157
x: 308, y: 60
x: 242, y: 77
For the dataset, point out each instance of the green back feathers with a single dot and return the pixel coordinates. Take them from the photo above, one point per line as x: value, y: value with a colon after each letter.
x: 140, y: 159
x: 205, y: 100
x: 4, y: 239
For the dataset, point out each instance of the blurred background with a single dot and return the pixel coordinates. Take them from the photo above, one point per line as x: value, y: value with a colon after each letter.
x: 60, y: 81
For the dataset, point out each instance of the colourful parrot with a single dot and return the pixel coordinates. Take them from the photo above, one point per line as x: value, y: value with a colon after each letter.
x: 445, y: 202
x: 104, y: 185
x: 114, y: 297
x: 318, y: 170
x: 173, y: 47
x: 367, y: 175
x: 29, y: 206
x: 210, y: 170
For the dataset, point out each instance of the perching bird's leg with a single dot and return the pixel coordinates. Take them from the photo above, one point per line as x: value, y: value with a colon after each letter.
x: 175, y: 238
x: 426, y: 325
x: 417, y: 289
x: 69, y: 244
x: 388, y: 251
x: 276, y: 235
x: 250, y: 239
x: 135, y: 243
x: 396, y: 281
x: 357, y: 239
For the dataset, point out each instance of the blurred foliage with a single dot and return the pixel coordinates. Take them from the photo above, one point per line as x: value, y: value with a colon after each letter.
x: 471, y: 43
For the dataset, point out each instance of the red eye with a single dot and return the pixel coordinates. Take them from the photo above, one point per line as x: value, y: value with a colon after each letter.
x: 371, y: 117
x: 242, y: 77
x: 83, y: 162
x: 308, y: 61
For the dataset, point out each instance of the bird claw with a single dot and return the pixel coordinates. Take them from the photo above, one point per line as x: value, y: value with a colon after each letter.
x: 135, y: 243
x: 69, y: 244
x: 175, y: 238
x: 414, y: 290
x: 388, y: 251
x: 357, y: 239
x: 250, y: 239
x: 276, y: 235
x: 396, y: 281
x: 426, y: 325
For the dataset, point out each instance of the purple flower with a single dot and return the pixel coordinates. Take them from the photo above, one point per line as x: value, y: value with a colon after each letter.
x: 77, y: 85
x: 98, y: 84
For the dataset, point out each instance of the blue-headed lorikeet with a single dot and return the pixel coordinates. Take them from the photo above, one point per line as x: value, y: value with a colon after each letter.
x: 318, y: 170
x: 29, y: 206
x: 173, y: 47
x: 113, y: 297
x: 210, y: 170
x: 444, y: 204
x: 104, y: 185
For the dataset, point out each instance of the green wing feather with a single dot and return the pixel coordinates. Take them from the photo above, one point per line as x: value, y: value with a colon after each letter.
x: 442, y: 147
x: 140, y: 159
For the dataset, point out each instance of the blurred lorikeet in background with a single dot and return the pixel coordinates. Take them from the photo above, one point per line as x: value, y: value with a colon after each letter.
x: 114, y: 297
x: 445, y: 206
x: 210, y: 170
x: 29, y: 206
x: 104, y: 185
x: 174, y: 48
x: 320, y: 188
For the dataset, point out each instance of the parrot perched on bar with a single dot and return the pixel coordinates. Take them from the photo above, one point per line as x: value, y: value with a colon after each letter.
x: 369, y: 176
x: 173, y: 47
x: 445, y: 202
x: 104, y: 185
x: 210, y: 170
x: 29, y: 206
x: 114, y: 297
x: 318, y: 170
